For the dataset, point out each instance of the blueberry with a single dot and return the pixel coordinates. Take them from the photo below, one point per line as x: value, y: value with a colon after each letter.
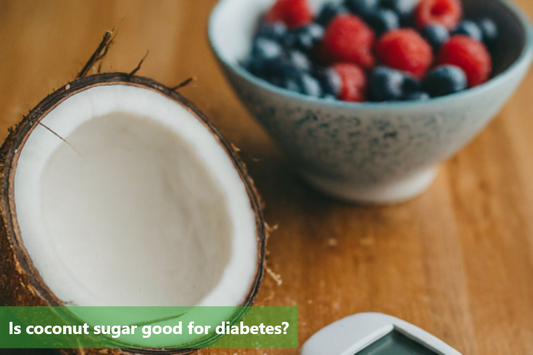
x: 470, y: 29
x: 403, y: 8
x: 310, y: 86
x: 489, y: 30
x: 436, y: 35
x: 328, y: 13
x: 361, y: 7
x: 315, y: 30
x: 264, y: 68
x: 254, y: 66
x: 286, y: 83
x: 300, y: 40
x: 383, y: 21
x: 417, y: 96
x: 330, y: 81
x: 290, y: 84
x: 290, y: 39
x: 299, y: 60
x: 304, y: 38
x: 410, y: 84
x: 445, y: 80
x: 286, y: 69
x: 274, y: 31
x: 329, y: 97
x: 266, y: 49
x: 298, y: 81
x: 283, y: 73
x: 386, y: 84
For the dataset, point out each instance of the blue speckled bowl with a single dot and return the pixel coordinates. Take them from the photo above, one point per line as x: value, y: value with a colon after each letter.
x: 371, y: 153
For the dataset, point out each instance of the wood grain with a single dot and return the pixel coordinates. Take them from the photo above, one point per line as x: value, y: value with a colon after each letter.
x: 457, y: 261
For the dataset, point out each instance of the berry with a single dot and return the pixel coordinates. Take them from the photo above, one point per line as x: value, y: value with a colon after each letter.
x: 299, y: 60
x: 489, y: 30
x: 328, y: 12
x: 417, y: 96
x: 333, y: 56
x: 286, y: 75
x: 265, y: 68
x: 410, y: 84
x: 383, y: 21
x: 349, y: 39
x: 361, y: 7
x: 254, y: 66
x: 315, y: 31
x: 445, y: 80
x: 354, y: 82
x: 266, y: 49
x: 274, y: 31
x: 469, y: 55
x: 282, y: 73
x: 405, y: 50
x: 386, y: 84
x: 444, y: 12
x: 287, y: 83
x: 293, y: 13
x: 304, y: 38
x: 329, y: 97
x: 436, y: 35
x: 309, y: 85
x: 330, y: 81
x: 292, y: 85
x: 403, y: 8
x: 470, y: 29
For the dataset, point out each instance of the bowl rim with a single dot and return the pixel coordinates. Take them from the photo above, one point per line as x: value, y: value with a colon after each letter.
x: 525, y: 57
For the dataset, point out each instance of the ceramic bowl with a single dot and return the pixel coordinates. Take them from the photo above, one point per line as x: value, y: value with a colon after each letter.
x: 371, y: 152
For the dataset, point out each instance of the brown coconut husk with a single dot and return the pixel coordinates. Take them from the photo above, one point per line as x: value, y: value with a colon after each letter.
x: 20, y: 282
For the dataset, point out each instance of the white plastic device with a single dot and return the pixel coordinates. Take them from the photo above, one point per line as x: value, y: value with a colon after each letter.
x: 374, y: 334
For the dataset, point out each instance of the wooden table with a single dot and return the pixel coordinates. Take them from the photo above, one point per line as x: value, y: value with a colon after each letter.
x: 457, y: 261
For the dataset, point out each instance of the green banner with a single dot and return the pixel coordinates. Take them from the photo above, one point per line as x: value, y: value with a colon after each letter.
x: 149, y: 327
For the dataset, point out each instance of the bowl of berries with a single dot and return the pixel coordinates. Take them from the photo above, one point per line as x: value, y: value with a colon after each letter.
x: 368, y: 97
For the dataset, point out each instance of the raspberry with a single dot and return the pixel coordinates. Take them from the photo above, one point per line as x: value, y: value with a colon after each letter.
x: 445, y: 12
x: 405, y: 50
x: 354, y: 82
x: 468, y: 54
x: 293, y: 13
x: 348, y: 39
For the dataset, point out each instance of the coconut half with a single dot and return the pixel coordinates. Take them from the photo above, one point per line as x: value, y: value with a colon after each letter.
x: 117, y: 191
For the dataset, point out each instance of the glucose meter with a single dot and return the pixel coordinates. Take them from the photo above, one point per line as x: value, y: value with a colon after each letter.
x: 374, y: 334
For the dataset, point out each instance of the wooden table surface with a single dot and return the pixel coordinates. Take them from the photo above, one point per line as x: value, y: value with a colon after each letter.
x: 457, y: 261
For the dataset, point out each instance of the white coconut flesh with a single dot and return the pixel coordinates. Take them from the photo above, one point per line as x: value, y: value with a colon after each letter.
x: 142, y: 207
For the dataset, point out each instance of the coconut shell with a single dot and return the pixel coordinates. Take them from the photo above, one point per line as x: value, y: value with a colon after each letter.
x: 20, y: 282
